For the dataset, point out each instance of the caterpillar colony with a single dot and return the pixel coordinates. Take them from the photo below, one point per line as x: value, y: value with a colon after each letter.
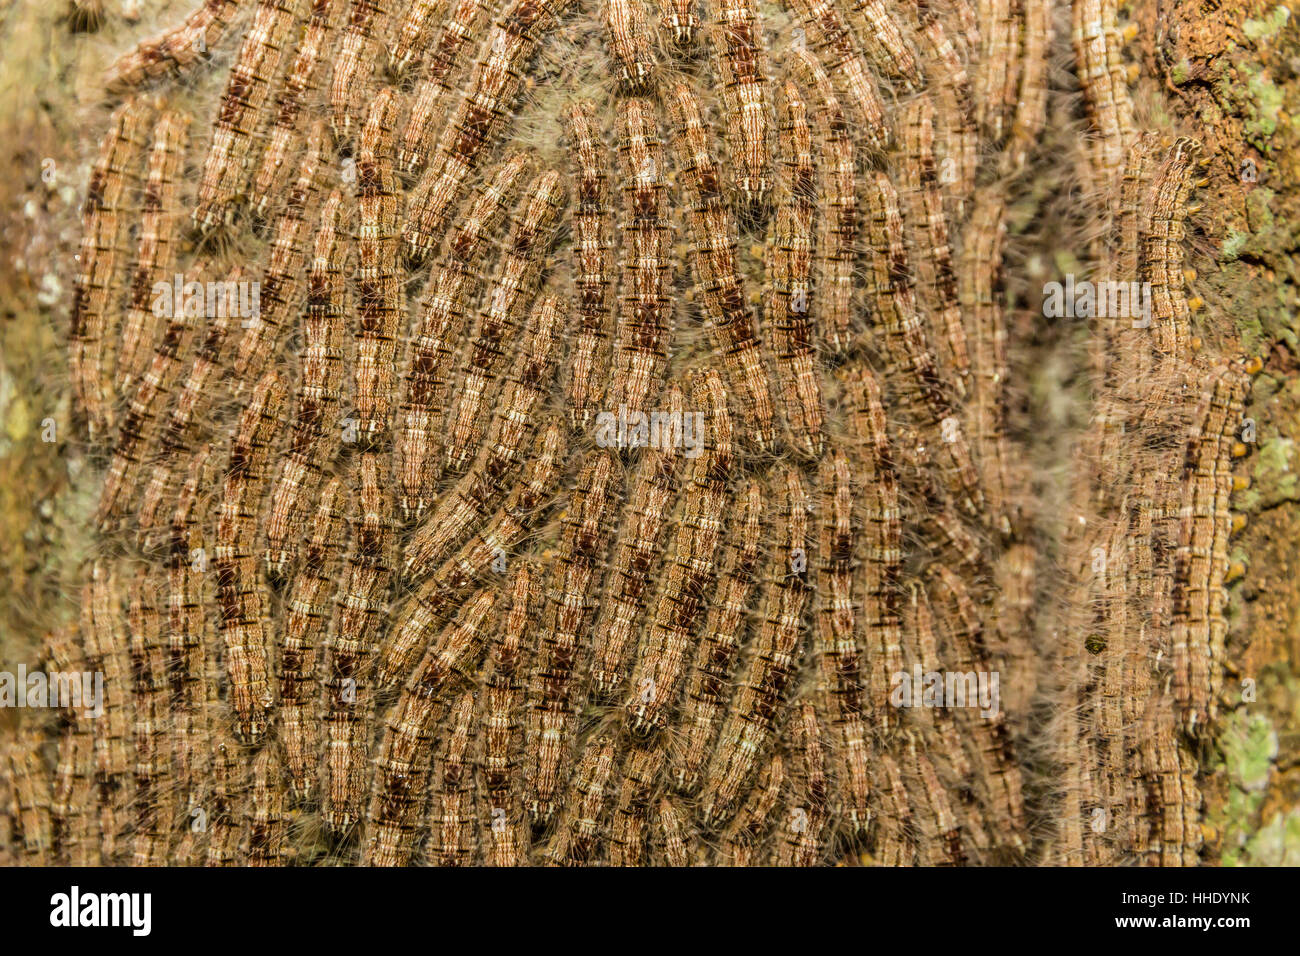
x: 627, y: 423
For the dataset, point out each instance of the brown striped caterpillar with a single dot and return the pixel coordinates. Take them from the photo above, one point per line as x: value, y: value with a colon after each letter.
x: 413, y: 35
x: 453, y: 817
x: 312, y: 440
x: 284, y: 134
x: 104, y: 229
x: 841, y: 680
x: 29, y: 787
x: 241, y: 598
x: 629, y: 47
x: 939, y: 829
x: 748, y: 728
x: 1173, y: 801
x: 593, y: 264
x: 367, y: 24
x: 106, y: 651
x: 672, y: 843
x: 889, y: 51
x: 139, y: 430
x: 173, y: 50
x: 281, y: 282
x: 645, y: 296
x: 837, y: 236
x: 1132, y: 222
x: 940, y: 720
x: 890, y: 292
x: 554, y: 681
x: 478, y: 493
x: 105, y: 646
x: 981, y: 298
x: 310, y: 605
x: 883, y: 525
x: 518, y: 276
x: 630, y: 826
x: 628, y: 587
x: 1162, y: 253
x: 230, y: 785
x: 928, y: 239
x: 153, y: 797
x: 997, y: 71
x: 677, y: 19
x: 424, y: 613
x: 204, y: 797
x: 420, y: 135
x: 156, y: 249
x: 716, y: 655
x: 740, y: 62
x: 266, y: 817
x: 582, y: 822
x: 967, y: 19
x: 223, y: 185
x: 1016, y: 613
x: 805, y: 827
x: 742, y: 840
x: 478, y: 121
x: 438, y: 338
x: 1110, y: 685
x: 656, y: 680
x: 362, y: 602
x: 1199, y: 624
x: 501, y: 812
x: 74, y: 838
x: 895, y: 838
x: 358, y: 622
x: 835, y: 43
x: 1098, y: 52
x: 381, y: 308
x: 182, y: 428
x: 402, y: 767
x: 955, y: 108
x: 189, y: 632
x: 714, y: 257
x: 1031, y: 104
x: 789, y: 270
x: 996, y: 771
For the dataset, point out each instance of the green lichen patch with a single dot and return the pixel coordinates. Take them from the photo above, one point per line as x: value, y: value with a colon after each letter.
x: 1268, y: 26
x: 1249, y: 745
x: 1277, y: 843
x: 1274, y: 478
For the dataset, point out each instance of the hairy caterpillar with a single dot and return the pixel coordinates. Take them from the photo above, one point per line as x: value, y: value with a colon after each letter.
x: 437, y: 338
x: 478, y: 120
x: 226, y: 168
x: 553, y: 682
x: 789, y: 268
x: 243, y: 603
x: 593, y: 264
x: 174, y: 50
x: 104, y: 224
x: 317, y: 398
